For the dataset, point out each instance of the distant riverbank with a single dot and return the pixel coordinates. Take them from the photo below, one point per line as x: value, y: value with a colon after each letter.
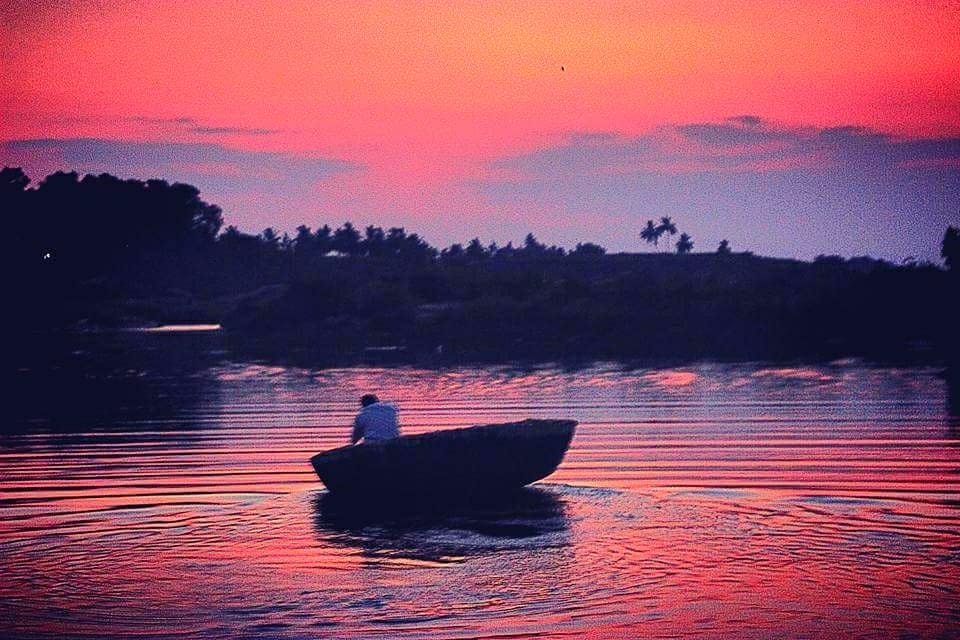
x: 629, y: 305
x: 732, y: 307
x: 126, y: 253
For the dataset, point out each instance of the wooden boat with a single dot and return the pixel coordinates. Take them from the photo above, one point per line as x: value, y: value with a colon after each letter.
x: 453, y: 463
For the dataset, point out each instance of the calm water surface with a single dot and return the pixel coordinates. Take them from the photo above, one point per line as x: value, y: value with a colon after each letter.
x: 154, y: 486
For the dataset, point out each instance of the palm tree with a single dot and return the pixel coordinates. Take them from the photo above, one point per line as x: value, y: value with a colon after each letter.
x: 666, y: 226
x: 684, y: 244
x: 650, y: 233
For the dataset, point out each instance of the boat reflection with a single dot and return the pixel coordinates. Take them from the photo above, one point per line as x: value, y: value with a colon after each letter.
x: 529, y: 518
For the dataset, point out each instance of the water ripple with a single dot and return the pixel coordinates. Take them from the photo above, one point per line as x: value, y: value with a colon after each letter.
x: 706, y: 501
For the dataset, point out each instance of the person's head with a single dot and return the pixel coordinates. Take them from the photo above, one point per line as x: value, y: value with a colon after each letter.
x: 368, y: 400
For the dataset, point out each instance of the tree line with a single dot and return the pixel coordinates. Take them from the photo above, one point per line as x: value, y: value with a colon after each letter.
x: 395, y: 242
x: 98, y: 224
x: 103, y: 251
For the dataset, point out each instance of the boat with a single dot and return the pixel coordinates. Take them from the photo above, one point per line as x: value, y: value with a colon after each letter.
x: 465, y: 462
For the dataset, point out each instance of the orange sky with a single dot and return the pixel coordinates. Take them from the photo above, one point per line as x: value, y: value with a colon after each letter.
x: 424, y: 94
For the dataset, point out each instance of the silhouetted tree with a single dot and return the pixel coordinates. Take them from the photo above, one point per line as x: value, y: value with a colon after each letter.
x: 650, y: 233
x: 454, y: 251
x: 532, y: 247
x: 22, y: 246
x: 346, y: 240
x: 230, y: 234
x: 302, y: 249
x: 588, y: 249
x: 100, y: 225
x: 323, y: 240
x: 207, y: 219
x: 271, y: 240
x: 684, y: 244
x: 12, y: 181
x: 724, y: 248
x: 304, y: 238
x: 950, y: 248
x: 374, y: 242
x: 666, y: 226
x: 396, y: 238
x: 416, y: 249
x: 475, y: 250
x: 507, y: 251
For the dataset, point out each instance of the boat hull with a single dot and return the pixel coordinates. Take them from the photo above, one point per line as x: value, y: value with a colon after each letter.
x: 453, y: 463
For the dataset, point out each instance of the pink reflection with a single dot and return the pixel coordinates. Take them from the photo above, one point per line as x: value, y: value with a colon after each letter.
x: 794, y: 373
x: 769, y: 505
x: 671, y: 379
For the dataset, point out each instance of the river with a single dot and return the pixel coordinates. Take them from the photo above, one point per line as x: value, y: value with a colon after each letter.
x: 157, y: 485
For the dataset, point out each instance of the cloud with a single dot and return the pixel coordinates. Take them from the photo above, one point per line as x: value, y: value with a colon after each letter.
x: 252, y: 186
x: 248, y: 131
x: 769, y: 188
x: 178, y: 122
x: 752, y: 121
x: 113, y: 127
x: 85, y: 154
x: 793, y: 191
x: 735, y: 131
x: 191, y: 125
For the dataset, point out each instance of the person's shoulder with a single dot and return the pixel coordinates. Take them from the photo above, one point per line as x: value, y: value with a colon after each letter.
x: 366, y: 411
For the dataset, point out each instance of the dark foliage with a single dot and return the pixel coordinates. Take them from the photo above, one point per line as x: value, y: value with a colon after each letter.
x: 76, y: 239
x: 950, y: 248
x: 105, y: 251
x: 588, y: 249
x: 93, y: 225
x: 652, y: 233
x: 684, y: 244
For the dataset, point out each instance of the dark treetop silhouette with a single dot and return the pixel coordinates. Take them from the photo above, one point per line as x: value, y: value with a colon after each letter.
x: 101, y: 251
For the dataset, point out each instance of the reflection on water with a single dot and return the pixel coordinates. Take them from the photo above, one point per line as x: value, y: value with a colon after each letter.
x: 91, y: 382
x: 533, y: 518
x: 150, y: 486
x: 180, y: 328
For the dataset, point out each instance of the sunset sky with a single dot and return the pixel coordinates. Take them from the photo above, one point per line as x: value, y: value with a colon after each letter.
x: 791, y: 129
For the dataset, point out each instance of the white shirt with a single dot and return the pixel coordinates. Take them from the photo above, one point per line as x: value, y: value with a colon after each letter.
x: 377, y: 421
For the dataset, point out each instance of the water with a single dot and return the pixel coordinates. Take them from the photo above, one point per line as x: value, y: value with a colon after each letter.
x: 154, y: 486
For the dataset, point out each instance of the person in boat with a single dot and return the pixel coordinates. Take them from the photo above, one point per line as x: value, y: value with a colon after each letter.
x: 376, y: 421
